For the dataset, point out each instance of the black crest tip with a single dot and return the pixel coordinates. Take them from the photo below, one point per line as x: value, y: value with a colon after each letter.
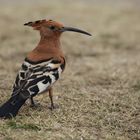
x: 28, y: 23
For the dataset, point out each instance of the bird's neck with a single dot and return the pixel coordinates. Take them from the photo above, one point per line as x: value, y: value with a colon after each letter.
x: 46, y: 48
x: 49, y: 43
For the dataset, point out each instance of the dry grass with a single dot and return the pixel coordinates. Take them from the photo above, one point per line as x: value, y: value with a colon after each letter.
x: 99, y: 92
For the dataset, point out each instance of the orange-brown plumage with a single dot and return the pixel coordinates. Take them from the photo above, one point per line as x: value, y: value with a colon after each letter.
x: 49, y: 45
x: 41, y: 68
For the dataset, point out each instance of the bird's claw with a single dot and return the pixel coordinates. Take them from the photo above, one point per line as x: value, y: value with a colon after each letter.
x: 52, y: 107
x: 35, y: 105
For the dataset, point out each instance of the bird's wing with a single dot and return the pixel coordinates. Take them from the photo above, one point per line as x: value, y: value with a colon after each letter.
x: 37, y: 78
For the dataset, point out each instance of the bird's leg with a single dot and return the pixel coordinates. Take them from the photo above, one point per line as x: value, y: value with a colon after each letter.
x: 51, y: 98
x: 32, y: 101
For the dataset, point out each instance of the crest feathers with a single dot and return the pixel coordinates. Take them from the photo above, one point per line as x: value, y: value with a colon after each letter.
x: 35, y: 23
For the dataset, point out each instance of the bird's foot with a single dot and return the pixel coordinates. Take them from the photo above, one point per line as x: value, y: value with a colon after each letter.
x: 52, y: 107
x: 35, y: 105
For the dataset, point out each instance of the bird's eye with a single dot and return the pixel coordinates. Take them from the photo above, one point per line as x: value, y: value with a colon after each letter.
x: 52, y: 27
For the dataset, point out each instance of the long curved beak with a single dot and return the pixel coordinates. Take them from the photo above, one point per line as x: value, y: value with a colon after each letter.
x: 74, y: 30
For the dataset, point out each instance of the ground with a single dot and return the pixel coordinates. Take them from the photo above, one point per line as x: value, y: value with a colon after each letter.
x: 99, y: 92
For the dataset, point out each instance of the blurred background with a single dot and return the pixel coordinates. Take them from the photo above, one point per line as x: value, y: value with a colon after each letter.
x: 99, y: 92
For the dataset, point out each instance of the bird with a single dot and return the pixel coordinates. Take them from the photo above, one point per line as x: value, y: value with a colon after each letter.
x: 41, y: 68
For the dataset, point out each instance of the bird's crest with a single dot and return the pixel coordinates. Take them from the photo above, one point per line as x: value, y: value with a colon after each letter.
x: 38, y: 23
x: 35, y: 23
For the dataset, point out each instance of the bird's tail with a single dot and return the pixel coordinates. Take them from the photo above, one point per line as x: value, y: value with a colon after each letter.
x: 10, y: 108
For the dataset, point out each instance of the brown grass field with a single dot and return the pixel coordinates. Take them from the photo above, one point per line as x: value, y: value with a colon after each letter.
x: 99, y: 92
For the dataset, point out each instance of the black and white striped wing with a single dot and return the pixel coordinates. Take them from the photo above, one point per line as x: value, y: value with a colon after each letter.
x: 37, y: 78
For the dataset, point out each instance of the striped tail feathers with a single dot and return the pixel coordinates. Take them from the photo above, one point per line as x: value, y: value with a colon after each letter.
x: 10, y: 108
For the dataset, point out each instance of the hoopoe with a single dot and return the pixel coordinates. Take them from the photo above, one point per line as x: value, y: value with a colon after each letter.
x: 41, y: 68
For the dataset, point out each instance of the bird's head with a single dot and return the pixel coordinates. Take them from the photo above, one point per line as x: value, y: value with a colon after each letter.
x: 50, y: 28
